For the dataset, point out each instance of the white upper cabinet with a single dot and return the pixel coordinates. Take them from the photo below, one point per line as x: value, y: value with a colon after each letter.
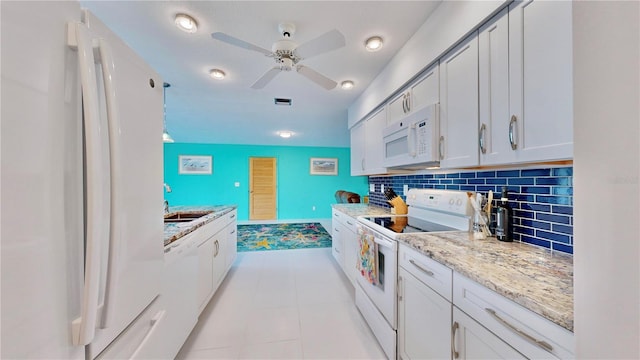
x: 459, y: 105
x: 540, y: 79
x: 423, y: 91
x: 367, y: 148
x: 493, y: 49
x: 526, y: 84
x: 358, y: 136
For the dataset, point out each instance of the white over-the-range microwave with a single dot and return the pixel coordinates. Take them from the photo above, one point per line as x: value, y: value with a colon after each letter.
x: 412, y: 142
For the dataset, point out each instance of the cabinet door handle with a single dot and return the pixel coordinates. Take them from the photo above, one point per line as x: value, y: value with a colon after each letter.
x: 428, y: 272
x: 215, y: 254
x: 336, y: 230
x: 338, y: 251
x: 362, y: 164
x: 512, y: 135
x: 523, y: 334
x: 408, y: 102
x: 441, y: 147
x: 349, y: 222
x: 454, y: 330
x: 399, y: 288
x: 404, y: 103
x: 483, y: 129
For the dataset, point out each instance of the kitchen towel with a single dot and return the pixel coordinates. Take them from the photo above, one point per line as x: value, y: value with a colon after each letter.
x: 367, y: 256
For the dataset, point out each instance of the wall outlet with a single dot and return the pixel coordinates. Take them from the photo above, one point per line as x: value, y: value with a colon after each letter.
x: 313, y: 208
x: 372, y: 188
x: 382, y: 188
x: 236, y: 184
x: 405, y: 189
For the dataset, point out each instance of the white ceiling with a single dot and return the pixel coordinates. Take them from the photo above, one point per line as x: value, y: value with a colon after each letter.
x: 203, y: 110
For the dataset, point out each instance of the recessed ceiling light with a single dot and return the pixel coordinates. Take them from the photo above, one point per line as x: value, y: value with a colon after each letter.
x: 285, y: 134
x: 373, y: 43
x: 217, y: 74
x: 347, y: 85
x: 186, y: 23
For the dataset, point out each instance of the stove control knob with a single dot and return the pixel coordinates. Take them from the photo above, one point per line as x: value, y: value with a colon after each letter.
x: 451, y: 201
x: 459, y: 202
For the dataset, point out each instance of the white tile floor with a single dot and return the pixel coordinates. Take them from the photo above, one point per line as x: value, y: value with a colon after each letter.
x: 286, y: 304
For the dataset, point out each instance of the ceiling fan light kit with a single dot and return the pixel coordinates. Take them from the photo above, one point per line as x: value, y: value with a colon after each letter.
x: 287, y: 54
x: 186, y: 23
x: 373, y: 43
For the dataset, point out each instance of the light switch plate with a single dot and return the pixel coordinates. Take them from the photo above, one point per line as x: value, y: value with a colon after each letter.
x: 405, y: 189
x: 382, y: 188
x: 236, y: 184
x: 372, y: 188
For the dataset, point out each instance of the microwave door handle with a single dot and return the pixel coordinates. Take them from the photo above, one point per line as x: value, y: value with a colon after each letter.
x: 411, y: 140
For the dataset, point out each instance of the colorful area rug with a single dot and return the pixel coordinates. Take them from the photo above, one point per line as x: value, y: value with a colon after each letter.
x: 282, y: 236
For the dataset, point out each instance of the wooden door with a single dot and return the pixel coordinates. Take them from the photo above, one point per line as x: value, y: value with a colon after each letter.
x: 262, y: 188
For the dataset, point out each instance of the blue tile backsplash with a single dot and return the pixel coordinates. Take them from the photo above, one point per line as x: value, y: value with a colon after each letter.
x: 542, y: 199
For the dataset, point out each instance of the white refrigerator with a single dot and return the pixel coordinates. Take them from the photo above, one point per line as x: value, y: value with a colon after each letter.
x: 81, y: 188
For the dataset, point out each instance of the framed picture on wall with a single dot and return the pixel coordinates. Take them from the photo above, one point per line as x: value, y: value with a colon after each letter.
x: 195, y: 165
x: 323, y: 166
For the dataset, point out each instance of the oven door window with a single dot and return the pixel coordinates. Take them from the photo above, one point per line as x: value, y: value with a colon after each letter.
x: 380, y: 270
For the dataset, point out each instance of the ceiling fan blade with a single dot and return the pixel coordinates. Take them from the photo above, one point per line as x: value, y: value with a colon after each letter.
x: 329, y: 41
x: 316, y: 77
x: 268, y: 76
x: 240, y: 43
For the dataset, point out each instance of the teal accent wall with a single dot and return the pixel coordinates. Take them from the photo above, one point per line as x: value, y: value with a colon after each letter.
x: 298, y: 191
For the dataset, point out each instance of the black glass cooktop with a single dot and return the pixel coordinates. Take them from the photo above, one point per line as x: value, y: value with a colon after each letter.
x: 406, y: 224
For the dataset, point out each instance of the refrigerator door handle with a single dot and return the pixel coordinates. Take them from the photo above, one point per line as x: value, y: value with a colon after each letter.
x: 106, y: 60
x: 83, y: 328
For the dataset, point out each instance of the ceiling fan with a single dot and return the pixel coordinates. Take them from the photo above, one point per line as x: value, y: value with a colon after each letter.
x: 288, y: 54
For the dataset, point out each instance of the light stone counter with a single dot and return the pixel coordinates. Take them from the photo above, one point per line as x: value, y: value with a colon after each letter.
x: 536, y: 278
x: 355, y: 210
x: 174, y: 231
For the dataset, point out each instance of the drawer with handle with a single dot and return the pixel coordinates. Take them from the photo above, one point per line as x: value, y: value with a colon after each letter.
x: 527, y: 332
x: 430, y: 272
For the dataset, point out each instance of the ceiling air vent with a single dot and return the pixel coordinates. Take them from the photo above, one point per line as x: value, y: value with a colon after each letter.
x: 282, y: 101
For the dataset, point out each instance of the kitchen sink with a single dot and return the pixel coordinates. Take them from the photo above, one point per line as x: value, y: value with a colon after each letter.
x: 185, y: 216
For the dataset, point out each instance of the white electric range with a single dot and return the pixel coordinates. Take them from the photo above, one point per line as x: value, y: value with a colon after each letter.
x: 430, y: 210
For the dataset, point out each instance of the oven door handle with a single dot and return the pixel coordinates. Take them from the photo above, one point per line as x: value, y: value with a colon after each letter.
x: 385, y: 242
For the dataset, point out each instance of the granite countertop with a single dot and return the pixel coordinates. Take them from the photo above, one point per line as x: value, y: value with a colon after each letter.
x: 536, y: 278
x: 174, y: 231
x: 355, y: 210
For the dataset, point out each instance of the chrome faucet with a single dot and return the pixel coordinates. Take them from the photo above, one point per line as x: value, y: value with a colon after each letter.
x: 166, y: 206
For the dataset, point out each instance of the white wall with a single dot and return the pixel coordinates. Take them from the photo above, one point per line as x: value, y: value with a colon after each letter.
x: 606, y: 169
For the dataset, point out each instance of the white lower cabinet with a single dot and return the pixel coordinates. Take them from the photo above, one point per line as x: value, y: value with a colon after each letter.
x: 424, y: 319
x: 205, y: 271
x: 529, y: 333
x: 232, y: 240
x: 350, y: 240
x: 444, y: 315
x: 217, y: 250
x: 473, y: 341
x: 337, y: 246
x: 344, y: 246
